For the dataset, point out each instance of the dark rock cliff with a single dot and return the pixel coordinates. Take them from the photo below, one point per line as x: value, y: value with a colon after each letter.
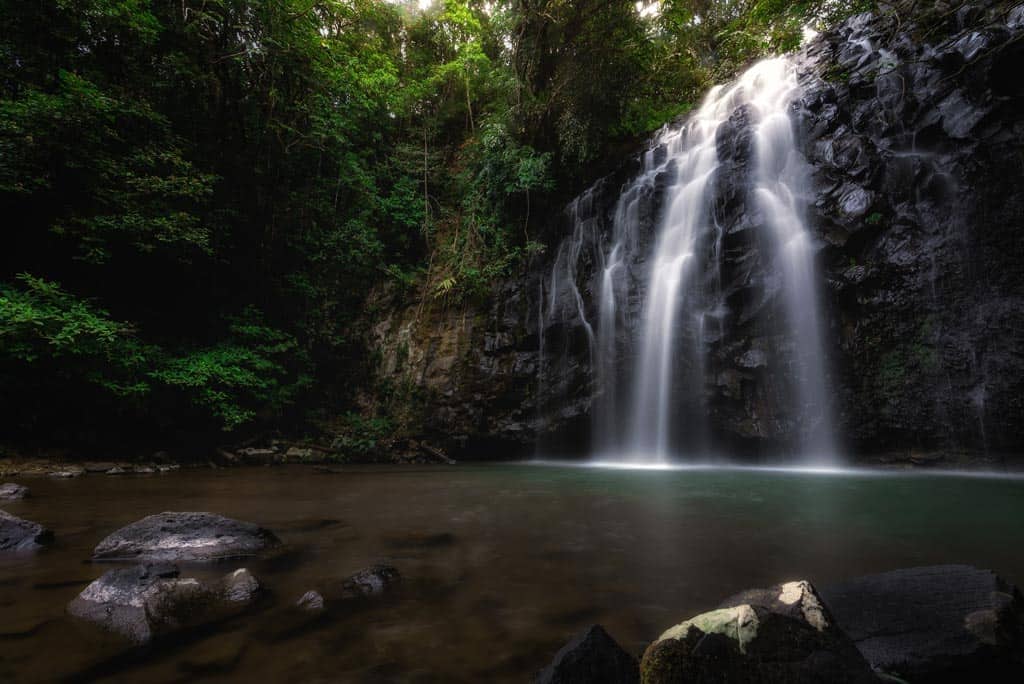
x: 914, y: 131
x: 918, y: 150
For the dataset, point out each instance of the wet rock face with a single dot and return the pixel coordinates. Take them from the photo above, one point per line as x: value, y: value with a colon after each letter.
x: 779, y: 634
x: 917, y: 153
x: 938, y: 623
x: 143, y: 602
x: 474, y: 370
x: 914, y: 136
x: 180, y: 537
x: 21, y: 535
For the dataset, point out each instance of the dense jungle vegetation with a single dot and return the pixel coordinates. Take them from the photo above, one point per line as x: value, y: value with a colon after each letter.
x: 200, y: 194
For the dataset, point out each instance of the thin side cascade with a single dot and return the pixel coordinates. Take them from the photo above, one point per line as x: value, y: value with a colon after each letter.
x: 649, y: 360
x: 780, y: 184
x: 672, y: 301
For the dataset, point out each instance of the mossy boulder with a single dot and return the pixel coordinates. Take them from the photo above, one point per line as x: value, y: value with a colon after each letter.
x: 780, y: 634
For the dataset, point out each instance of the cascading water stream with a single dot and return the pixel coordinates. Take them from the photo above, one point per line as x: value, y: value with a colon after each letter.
x: 780, y: 178
x: 691, y: 152
x: 649, y: 361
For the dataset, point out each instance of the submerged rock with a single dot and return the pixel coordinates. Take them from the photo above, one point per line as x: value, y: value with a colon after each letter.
x: 139, y: 602
x: 12, y: 492
x: 372, y: 581
x: 779, y: 634
x: 21, y: 535
x: 948, y: 622
x: 591, y: 657
x: 240, y: 586
x: 172, y: 536
x: 147, y: 601
x: 311, y: 601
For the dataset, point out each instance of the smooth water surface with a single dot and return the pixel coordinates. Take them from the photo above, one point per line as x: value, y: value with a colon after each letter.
x: 502, y: 563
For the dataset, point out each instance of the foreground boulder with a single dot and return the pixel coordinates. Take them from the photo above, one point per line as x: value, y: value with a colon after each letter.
x: 147, y: 601
x: 12, y: 492
x: 780, y: 634
x: 178, y: 537
x: 937, y: 623
x: 591, y: 657
x: 21, y: 535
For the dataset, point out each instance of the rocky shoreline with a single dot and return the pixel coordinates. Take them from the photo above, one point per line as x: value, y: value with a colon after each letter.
x: 317, y: 456
x: 928, y: 624
x: 66, y: 465
x: 924, y: 624
x: 159, y: 589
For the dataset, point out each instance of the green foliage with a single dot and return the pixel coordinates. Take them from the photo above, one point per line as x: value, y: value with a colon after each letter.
x: 360, y: 438
x: 496, y: 175
x: 42, y: 326
x: 145, y: 196
x: 236, y: 379
x: 174, y: 163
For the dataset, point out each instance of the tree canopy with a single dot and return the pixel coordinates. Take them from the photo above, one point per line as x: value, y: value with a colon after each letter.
x: 200, y: 194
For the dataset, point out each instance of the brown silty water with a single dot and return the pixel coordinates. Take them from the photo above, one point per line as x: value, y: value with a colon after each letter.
x: 501, y: 564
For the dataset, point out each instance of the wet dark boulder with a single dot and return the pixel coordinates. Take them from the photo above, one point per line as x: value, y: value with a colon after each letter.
x: 591, y: 657
x: 179, y: 537
x: 144, y: 602
x: 780, y: 634
x: 934, y: 624
x: 373, y: 581
x: 21, y: 535
x: 12, y: 492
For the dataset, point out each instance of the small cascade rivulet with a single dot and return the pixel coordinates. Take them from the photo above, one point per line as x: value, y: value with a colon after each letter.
x: 642, y: 284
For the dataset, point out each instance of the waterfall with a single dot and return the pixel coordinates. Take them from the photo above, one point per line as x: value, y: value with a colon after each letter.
x: 656, y: 301
x: 780, y: 182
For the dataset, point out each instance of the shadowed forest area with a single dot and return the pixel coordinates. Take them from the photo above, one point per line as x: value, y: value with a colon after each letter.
x: 201, y: 194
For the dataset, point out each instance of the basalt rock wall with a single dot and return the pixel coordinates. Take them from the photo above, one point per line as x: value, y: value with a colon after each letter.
x: 916, y: 135
x: 913, y: 129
